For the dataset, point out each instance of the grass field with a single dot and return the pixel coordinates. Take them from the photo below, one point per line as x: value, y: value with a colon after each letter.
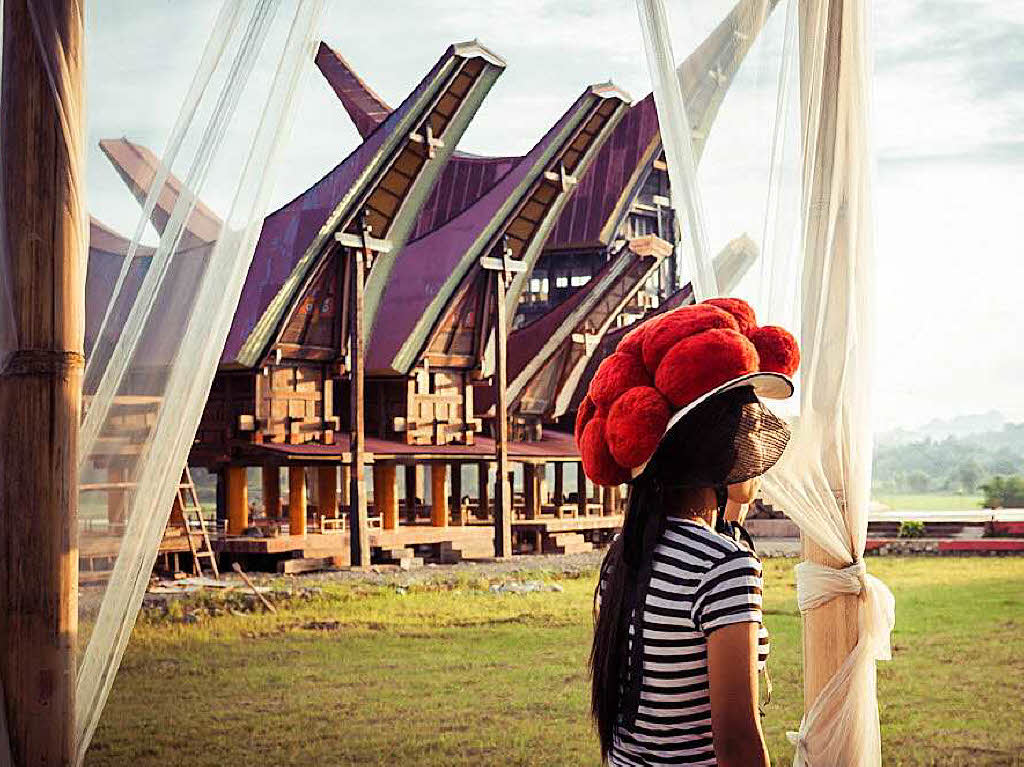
x: 452, y: 674
x: 931, y: 502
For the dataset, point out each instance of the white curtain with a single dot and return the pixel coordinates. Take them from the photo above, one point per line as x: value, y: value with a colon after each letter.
x: 815, y: 277
x: 148, y: 381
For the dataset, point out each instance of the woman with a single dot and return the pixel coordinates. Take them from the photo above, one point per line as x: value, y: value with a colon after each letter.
x: 687, y: 691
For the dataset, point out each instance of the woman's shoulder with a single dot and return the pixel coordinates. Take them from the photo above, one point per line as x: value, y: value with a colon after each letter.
x: 712, y: 547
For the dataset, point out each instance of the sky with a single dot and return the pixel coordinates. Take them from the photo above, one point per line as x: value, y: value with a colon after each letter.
x: 947, y: 120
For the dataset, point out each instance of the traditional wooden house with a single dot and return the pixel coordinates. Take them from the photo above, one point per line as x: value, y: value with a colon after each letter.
x: 626, y: 195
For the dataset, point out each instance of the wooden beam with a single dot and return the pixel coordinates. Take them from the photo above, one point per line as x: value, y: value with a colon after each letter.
x: 237, y: 499
x: 296, y: 500
x: 327, y: 491
x: 439, y: 494
x: 41, y: 382
x: 385, y: 494
x: 271, y: 491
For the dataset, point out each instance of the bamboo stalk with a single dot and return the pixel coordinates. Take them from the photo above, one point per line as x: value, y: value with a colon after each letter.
x: 40, y: 383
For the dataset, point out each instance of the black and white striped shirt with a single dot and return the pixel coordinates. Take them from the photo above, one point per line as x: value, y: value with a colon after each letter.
x: 700, y: 581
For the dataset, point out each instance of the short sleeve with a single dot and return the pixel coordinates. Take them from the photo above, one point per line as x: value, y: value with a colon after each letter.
x: 730, y: 592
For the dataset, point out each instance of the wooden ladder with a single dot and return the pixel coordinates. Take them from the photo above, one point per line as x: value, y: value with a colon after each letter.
x: 188, y: 502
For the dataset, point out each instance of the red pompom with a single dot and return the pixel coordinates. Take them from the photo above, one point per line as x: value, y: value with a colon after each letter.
x: 635, y: 425
x: 677, y: 325
x: 777, y: 350
x: 615, y: 375
x: 597, y: 460
x: 738, y: 308
x: 583, y: 415
x: 632, y: 342
x: 702, y: 362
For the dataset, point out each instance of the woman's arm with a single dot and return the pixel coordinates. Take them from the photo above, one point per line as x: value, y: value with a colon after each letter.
x: 732, y: 674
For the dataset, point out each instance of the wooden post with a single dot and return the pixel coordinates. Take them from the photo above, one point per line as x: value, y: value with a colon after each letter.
x: 272, y: 491
x: 296, y: 500
x: 607, y: 501
x: 458, y: 518
x: 483, y: 470
x: 438, y: 494
x: 327, y: 491
x: 237, y: 491
x: 413, y: 491
x: 358, y: 527
x: 531, y: 490
x: 43, y: 178
x: 559, y: 487
x: 346, y: 485
x: 385, y: 499
x: 502, y: 490
x: 581, y: 489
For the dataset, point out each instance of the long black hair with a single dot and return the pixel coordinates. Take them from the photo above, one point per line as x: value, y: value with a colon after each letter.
x: 710, y: 447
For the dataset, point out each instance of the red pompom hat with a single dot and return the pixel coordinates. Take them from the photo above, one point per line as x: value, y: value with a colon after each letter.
x: 664, y: 368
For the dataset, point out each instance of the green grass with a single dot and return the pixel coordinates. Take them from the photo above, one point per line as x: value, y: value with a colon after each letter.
x: 931, y: 502
x: 456, y: 675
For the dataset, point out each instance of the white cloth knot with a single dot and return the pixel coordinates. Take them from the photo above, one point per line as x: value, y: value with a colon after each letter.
x: 817, y: 584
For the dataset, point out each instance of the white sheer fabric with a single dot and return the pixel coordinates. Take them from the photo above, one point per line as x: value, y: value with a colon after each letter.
x: 677, y: 141
x: 152, y: 377
x: 815, y: 277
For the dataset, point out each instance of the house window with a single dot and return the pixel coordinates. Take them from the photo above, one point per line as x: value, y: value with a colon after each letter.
x: 578, y: 280
x: 561, y: 282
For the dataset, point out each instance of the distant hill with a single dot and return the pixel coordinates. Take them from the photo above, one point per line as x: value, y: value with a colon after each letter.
x: 915, y: 461
x: 941, y: 428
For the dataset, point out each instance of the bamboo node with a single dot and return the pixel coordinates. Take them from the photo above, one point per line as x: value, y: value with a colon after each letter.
x: 43, y: 362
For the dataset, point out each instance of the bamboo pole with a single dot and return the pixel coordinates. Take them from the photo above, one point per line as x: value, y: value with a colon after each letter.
x: 830, y: 632
x: 40, y: 383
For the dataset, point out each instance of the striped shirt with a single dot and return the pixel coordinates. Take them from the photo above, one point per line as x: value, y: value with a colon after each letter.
x: 700, y: 581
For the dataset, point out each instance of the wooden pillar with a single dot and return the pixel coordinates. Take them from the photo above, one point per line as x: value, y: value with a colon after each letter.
x: 439, y: 494
x: 581, y: 489
x: 116, y: 501
x: 272, y: 491
x: 559, y: 497
x: 346, y: 485
x: 483, y: 470
x: 327, y: 491
x: 385, y: 494
x: 41, y: 381
x: 413, y: 492
x: 502, y: 490
x: 458, y: 516
x: 532, y: 489
x: 358, y: 528
x: 296, y: 500
x: 608, y: 500
x: 237, y: 491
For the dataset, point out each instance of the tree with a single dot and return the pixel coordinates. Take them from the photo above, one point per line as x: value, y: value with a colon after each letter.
x: 1004, y: 492
x: 968, y: 475
x: 918, y: 481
